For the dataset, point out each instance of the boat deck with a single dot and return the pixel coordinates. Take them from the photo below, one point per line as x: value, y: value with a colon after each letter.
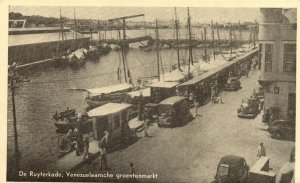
x: 72, y: 161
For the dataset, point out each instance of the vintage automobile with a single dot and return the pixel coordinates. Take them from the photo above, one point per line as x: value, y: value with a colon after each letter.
x: 233, y: 84
x: 174, y: 111
x: 232, y: 169
x: 249, y: 108
x: 282, y: 129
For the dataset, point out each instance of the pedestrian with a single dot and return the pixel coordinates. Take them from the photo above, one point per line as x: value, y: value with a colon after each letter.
x: 191, y: 98
x: 104, y: 139
x: 145, y: 118
x: 267, y: 116
x: 103, y: 162
x: 212, y: 97
x: 220, y: 98
x: 86, y: 147
x: 261, y: 151
x: 196, y: 105
x: 141, y: 106
x: 132, y: 172
x: 261, y: 104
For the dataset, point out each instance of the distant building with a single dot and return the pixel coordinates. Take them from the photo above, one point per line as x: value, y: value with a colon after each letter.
x: 277, y: 38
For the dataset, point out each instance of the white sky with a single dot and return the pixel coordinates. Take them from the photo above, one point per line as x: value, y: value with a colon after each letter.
x: 151, y: 13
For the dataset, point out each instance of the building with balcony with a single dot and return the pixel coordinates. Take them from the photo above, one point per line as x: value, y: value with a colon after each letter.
x: 277, y: 48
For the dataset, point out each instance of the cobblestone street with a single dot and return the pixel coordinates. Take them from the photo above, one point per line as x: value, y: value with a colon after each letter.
x: 191, y: 153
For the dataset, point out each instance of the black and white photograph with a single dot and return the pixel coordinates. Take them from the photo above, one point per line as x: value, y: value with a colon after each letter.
x: 158, y: 94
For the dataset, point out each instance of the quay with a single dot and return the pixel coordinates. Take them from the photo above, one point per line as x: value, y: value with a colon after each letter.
x: 206, y: 139
x: 29, y: 53
x: 36, y: 30
x: 72, y: 161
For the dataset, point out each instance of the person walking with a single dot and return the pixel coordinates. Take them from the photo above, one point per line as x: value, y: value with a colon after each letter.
x: 145, y: 118
x: 86, y: 147
x: 220, y: 98
x: 191, y: 98
x: 103, y: 162
x: 261, y: 151
x: 141, y: 106
x: 213, y: 95
x: 132, y: 172
x: 196, y: 105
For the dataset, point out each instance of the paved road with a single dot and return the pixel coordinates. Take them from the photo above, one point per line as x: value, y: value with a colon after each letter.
x: 191, y: 153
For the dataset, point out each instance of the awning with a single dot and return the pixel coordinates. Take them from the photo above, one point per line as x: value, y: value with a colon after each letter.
x: 109, y: 89
x: 212, y: 72
x: 107, y: 109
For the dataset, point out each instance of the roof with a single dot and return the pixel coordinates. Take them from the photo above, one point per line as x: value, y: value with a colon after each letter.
x: 210, y: 73
x: 145, y: 92
x: 109, y: 89
x: 107, y: 109
x: 172, y: 100
x: 231, y: 160
x: 164, y: 84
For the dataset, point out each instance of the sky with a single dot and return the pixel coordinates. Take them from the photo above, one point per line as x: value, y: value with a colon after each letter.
x: 198, y: 14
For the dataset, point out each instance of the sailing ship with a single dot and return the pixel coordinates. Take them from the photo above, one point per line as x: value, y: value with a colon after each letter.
x: 60, y: 57
x: 77, y: 57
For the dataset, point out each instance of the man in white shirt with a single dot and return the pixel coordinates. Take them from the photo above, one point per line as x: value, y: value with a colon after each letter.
x: 261, y: 151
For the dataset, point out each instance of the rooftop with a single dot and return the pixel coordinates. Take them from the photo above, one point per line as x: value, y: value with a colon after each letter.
x: 107, y: 109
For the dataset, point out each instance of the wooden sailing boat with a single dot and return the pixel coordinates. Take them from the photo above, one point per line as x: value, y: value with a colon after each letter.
x: 186, y: 71
x: 114, y: 93
x: 77, y: 58
x: 60, y: 57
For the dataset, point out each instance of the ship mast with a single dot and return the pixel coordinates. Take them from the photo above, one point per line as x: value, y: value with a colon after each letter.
x: 157, y: 51
x: 213, y: 38
x: 75, y: 25
x: 190, y: 43
x: 177, y: 37
x: 61, y: 25
x: 230, y: 37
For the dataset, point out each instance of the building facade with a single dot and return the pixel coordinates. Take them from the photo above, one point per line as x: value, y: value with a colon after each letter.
x: 277, y: 47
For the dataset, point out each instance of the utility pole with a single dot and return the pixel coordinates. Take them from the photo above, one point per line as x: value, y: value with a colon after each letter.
x: 157, y: 51
x: 12, y: 87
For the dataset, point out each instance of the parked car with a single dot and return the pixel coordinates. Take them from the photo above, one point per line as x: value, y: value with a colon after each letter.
x: 232, y: 169
x: 174, y: 111
x: 233, y: 83
x: 282, y: 129
x: 249, y: 108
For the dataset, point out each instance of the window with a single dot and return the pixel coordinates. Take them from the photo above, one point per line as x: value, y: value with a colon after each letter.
x: 268, y: 57
x: 289, y: 58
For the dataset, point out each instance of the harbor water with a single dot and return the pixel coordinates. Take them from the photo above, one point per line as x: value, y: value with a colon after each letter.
x: 47, y: 91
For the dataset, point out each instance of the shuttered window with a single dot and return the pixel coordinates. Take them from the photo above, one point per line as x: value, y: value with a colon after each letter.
x: 289, y: 58
x: 268, y: 57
